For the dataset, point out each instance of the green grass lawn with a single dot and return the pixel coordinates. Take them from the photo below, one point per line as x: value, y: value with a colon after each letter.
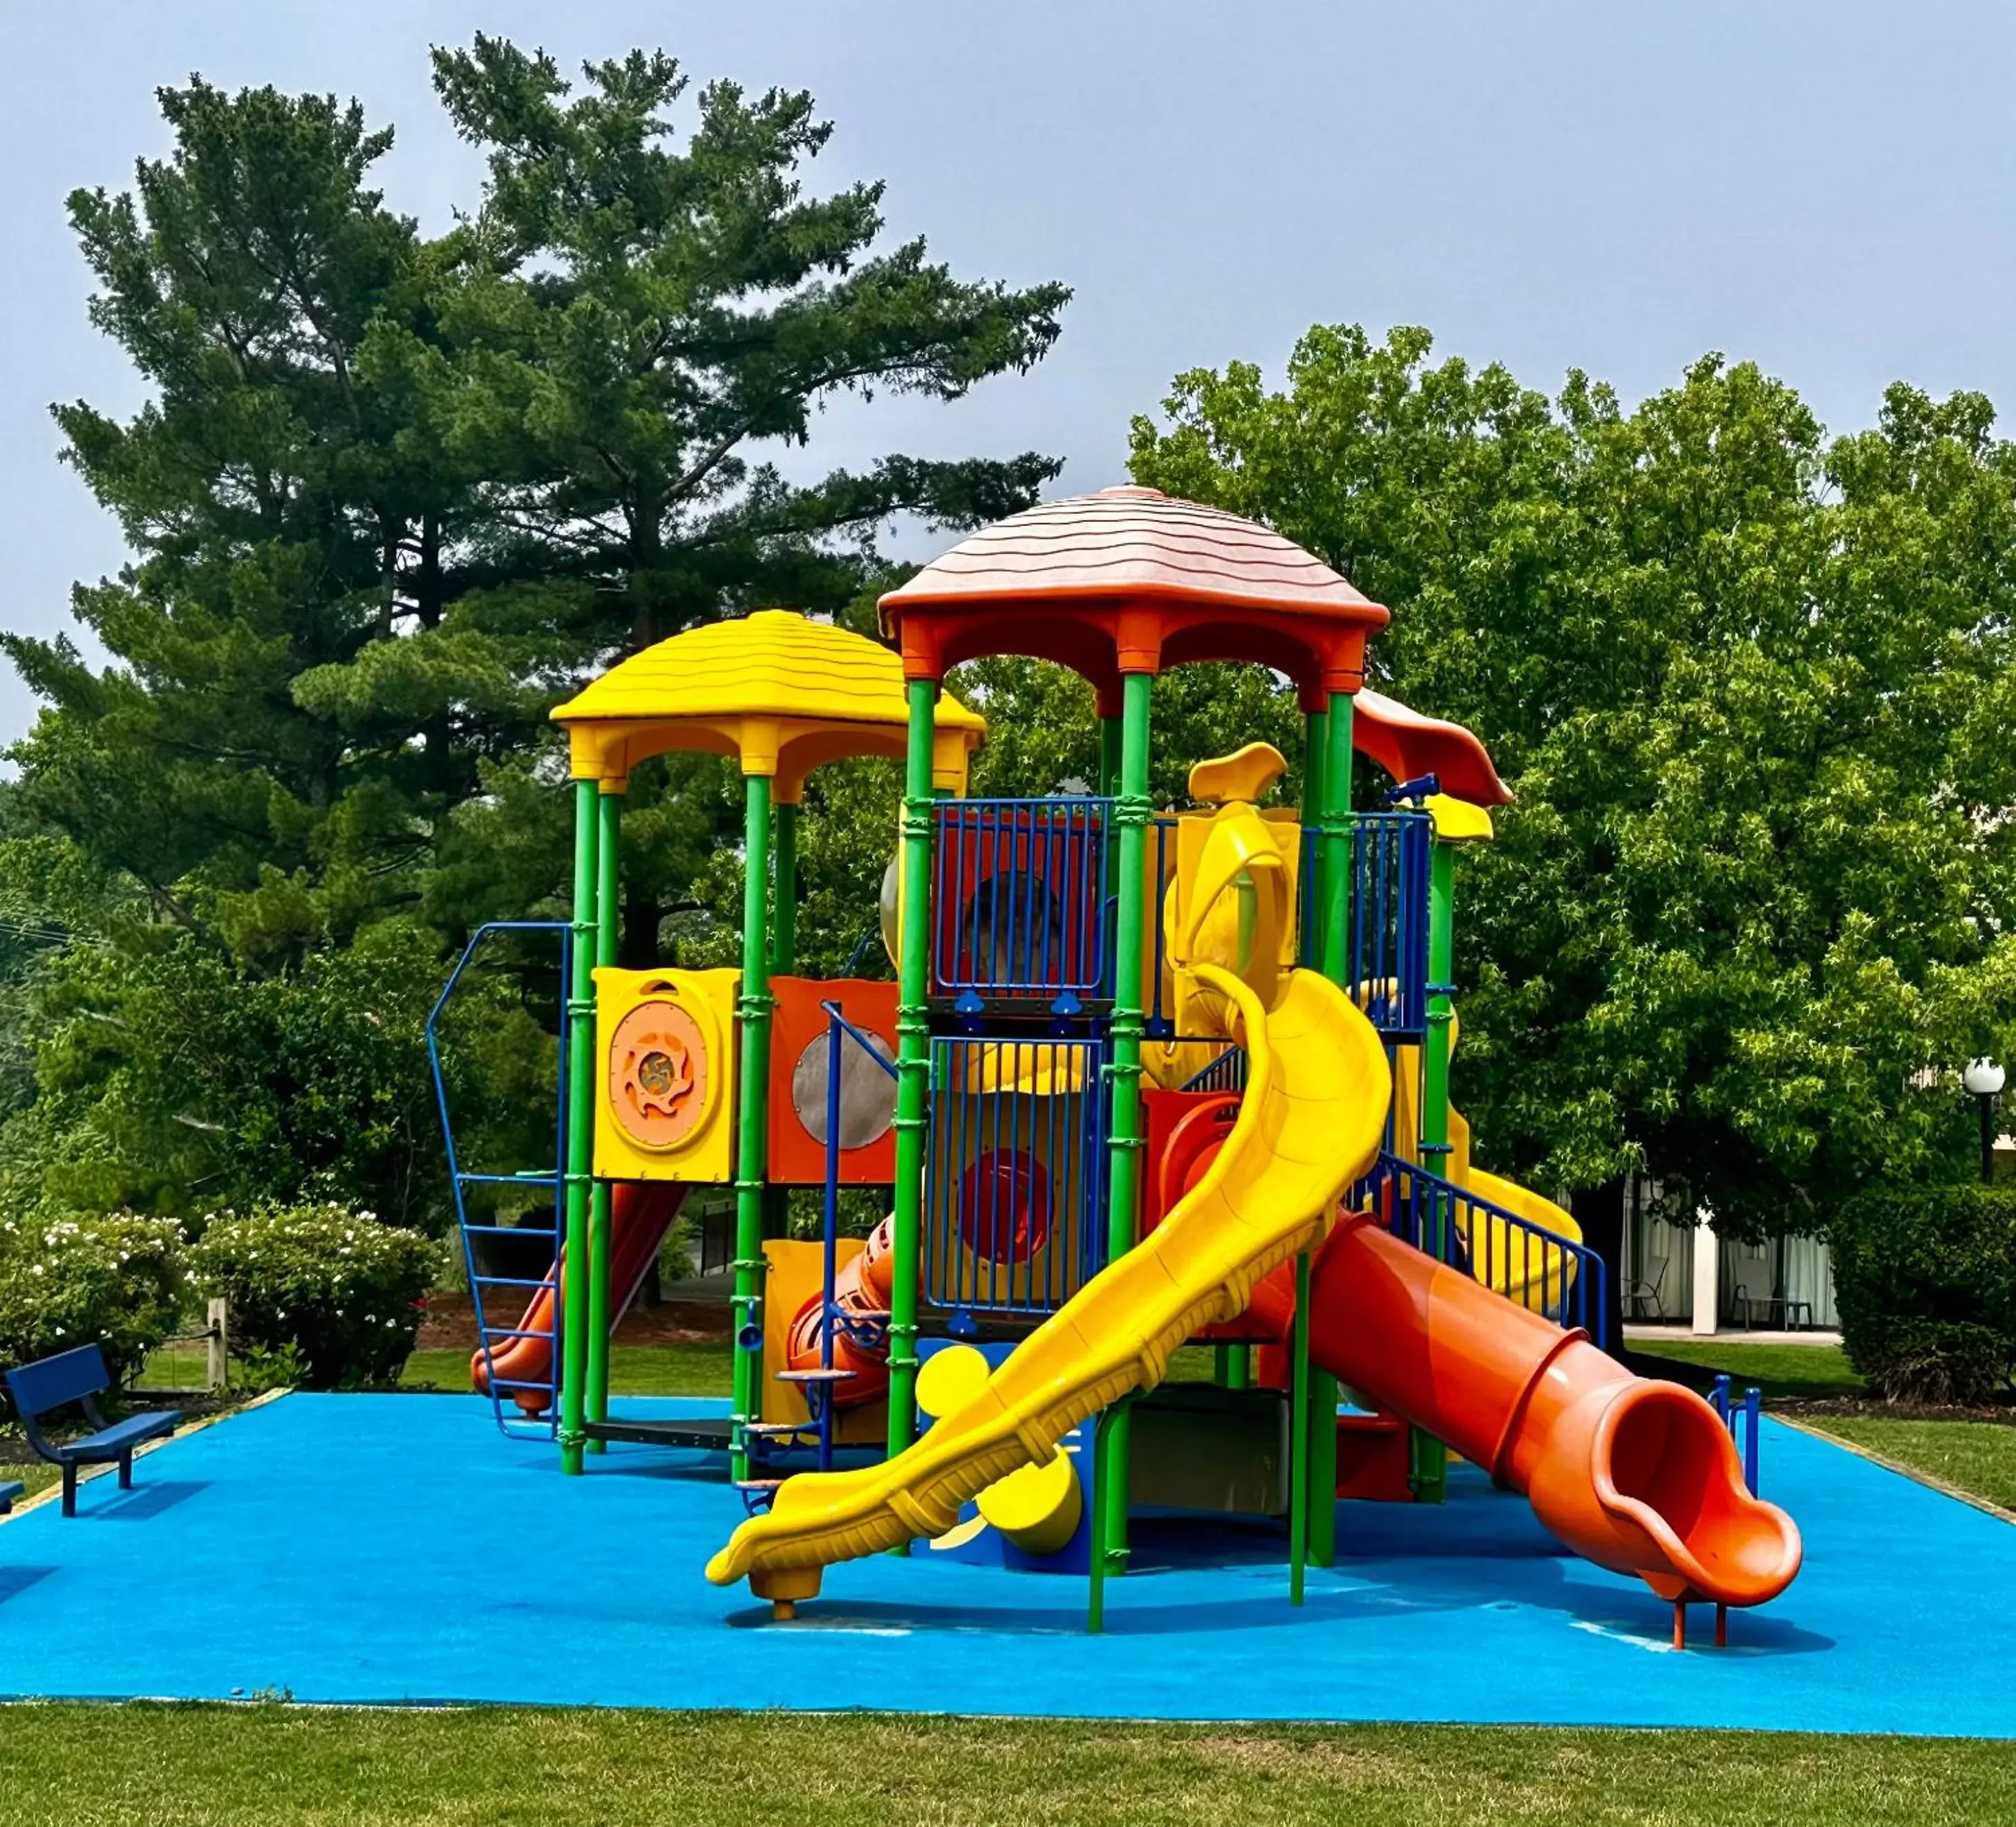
x: 682, y: 1369
x: 675, y: 1368
x: 1976, y: 1456
x: 209, y: 1766
x: 1778, y: 1370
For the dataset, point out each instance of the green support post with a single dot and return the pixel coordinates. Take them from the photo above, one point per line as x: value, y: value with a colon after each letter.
x: 913, y: 1065
x: 580, y: 1131
x: 1315, y: 806
x: 783, y: 959
x: 1109, y: 756
x: 784, y: 914
x: 1336, y: 840
x: 1132, y: 813
x: 601, y: 1321
x: 1329, y: 746
x: 751, y: 1154
x: 1299, y: 1481
x: 1431, y: 1459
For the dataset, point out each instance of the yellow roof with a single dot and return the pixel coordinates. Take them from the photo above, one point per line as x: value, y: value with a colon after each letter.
x: 783, y: 694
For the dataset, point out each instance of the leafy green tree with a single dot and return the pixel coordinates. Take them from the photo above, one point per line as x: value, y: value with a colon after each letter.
x: 1748, y: 911
x: 392, y: 499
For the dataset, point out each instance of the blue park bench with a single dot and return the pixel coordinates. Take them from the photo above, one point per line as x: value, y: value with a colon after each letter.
x: 50, y: 1383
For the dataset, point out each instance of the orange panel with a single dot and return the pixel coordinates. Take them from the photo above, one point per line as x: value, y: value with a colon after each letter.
x: 798, y: 1076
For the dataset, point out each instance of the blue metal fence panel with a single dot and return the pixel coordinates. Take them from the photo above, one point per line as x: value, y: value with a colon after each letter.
x: 1018, y: 896
x: 1389, y: 936
x: 1015, y: 1180
x: 1488, y: 1242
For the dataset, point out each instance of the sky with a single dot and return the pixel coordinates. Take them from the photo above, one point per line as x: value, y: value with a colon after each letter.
x: 1825, y: 188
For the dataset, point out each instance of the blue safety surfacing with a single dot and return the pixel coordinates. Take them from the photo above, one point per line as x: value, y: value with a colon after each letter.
x: 384, y: 1548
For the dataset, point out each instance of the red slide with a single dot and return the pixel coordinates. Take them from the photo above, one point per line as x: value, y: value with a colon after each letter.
x: 640, y: 1213
x: 1640, y: 1477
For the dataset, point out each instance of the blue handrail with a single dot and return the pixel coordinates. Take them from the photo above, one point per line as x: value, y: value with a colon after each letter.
x: 839, y: 1031
x: 1721, y: 1398
x: 512, y: 1420
x: 1443, y: 1219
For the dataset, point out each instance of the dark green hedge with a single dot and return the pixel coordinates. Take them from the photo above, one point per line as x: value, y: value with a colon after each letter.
x: 1925, y: 1284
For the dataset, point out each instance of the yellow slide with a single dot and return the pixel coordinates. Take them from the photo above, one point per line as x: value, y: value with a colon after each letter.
x: 1516, y: 1264
x: 1314, y: 1112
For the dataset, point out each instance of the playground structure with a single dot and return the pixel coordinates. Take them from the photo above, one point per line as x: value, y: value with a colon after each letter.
x: 1146, y: 1079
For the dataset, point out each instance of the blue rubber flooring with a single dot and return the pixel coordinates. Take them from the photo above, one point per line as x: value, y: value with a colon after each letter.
x: 397, y: 1549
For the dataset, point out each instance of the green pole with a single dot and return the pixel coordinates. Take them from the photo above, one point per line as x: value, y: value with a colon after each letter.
x: 751, y: 1150
x: 1328, y: 809
x: 913, y: 1065
x: 784, y: 915
x: 581, y: 1131
x: 601, y: 1321
x: 783, y: 959
x: 1241, y: 1368
x: 1298, y: 1438
x: 1335, y: 875
x: 1430, y: 1461
x: 1109, y: 756
x: 1315, y: 804
x: 1133, y: 812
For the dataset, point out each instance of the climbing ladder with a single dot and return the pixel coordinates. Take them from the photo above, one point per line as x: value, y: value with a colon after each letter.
x: 510, y: 1296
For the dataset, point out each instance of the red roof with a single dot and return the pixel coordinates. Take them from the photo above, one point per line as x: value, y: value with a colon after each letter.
x: 1134, y: 542
x: 1408, y: 745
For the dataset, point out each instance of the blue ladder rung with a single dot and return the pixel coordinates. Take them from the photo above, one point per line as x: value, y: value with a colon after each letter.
x: 528, y: 1178
x: 490, y: 1332
x: 508, y: 1230
x: 511, y: 1282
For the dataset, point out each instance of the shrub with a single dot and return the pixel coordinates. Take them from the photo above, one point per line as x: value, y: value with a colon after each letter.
x: 114, y: 1281
x: 339, y: 1289
x: 1925, y: 1284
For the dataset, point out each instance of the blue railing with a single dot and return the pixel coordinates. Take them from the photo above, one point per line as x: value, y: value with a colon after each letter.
x: 512, y: 1418
x: 1015, y: 1172
x: 1389, y: 936
x: 1563, y: 1281
x: 1227, y: 1073
x: 1019, y: 897
x: 870, y: 1330
x: 1747, y: 1414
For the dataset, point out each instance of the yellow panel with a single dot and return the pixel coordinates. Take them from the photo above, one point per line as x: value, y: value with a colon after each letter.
x: 1245, y: 774
x: 1457, y: 821
x: 686, y: 1090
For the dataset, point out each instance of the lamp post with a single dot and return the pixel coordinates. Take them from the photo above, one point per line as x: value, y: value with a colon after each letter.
x: 1983, y: 1080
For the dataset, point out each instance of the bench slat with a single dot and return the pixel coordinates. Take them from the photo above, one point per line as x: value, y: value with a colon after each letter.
x: 120, y: 1439
x: 50, y: 1381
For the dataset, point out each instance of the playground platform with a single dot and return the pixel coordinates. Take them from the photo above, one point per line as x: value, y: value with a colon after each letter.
x: 394, y: 1549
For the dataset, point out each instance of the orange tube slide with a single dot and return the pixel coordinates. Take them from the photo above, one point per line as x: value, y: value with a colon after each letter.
x: 862, y: 1284
x: 1640, y: 1477
x: 640, y: 1213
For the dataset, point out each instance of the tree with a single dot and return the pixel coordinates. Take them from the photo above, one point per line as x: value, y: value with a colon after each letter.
x: 392, y: 499
x: 1751, y: 906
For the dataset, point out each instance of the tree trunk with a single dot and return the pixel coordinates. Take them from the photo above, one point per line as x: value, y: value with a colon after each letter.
x: 1600, y: 1211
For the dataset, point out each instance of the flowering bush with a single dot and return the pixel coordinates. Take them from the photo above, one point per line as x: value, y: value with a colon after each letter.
x: 112, y: 1281
x: 343, y: 1291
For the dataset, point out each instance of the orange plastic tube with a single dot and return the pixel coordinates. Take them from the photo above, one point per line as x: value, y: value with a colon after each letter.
x: 1639, y: 1477
x: 640, y: 1213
